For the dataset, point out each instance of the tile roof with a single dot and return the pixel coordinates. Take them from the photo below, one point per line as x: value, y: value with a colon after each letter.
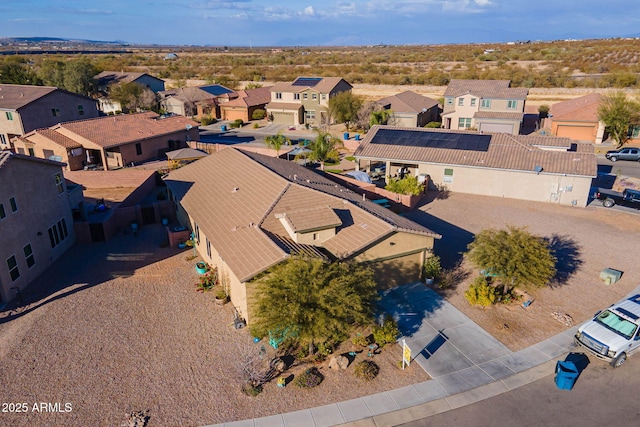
x: 510, y: 152
x: 113, y: 77
x: 582, y: 109
x: 495, y: 89
x: 408, y: 102
x: 51, y: 135
x: 123, y: 129
x: 222, y: 195
x: 324, y: 85
x: 315, y: 218
x: 14, y: 97
x: 250, y: 98
x: 198, y: 93
x: 7, y: 156
x: 497, y: 115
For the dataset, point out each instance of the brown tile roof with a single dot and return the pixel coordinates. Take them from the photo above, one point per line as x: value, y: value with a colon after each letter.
x: 510, y: 152
x: 234, y: 197
x: 582, y: 109
x: 306, y: 220
x: 497, y: 115
x: 495, y: 89
x: 14, y: 97
x: 113, y: 77
x: 122, y: 129
x: 125, y: 178
x: 250, y: 98
x: 408, y: 102
x: 7, y: 156
x: 325, y: 85
x: 52, y: 136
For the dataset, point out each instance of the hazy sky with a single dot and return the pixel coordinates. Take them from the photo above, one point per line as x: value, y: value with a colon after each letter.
x: 318, y: 22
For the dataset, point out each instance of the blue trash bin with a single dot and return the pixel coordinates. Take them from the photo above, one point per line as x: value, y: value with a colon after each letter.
x: 566, y: 375
x: 223, y: 128
x: 346, y: 135
x: 357, y: 137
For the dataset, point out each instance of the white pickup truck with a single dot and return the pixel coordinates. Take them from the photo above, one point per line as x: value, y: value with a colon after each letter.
x: 613, y: 334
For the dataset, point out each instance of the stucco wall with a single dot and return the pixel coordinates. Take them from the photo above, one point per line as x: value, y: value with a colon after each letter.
x: 38, y: 114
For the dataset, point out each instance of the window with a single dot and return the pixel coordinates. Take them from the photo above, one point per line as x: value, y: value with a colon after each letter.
x: 20, y: 150
x: 449, y: 101
x: 314, y: 96
x: 208, y: 247
x: 55, y: 112
x: 59, y: 184
x: 14, y: 205
x: 58, y: 232
x: 512, y: 104
x: 80, y: 110
x: 278, y: 95
x: 464, y: 123
x: 3, y: 214
x: 310, y: 115
x: 139, y: 149
x: 448, y: 176
x: 324, y: 96
x: 296, y: 96
x: 9, y: 115
x: 635, y: 132
x: 28, y: 254
x: 3, y: 139
x: 305, y: 96
x: 316, y: 236
x: 12, y: 263
x: 460, y: 102
x: 473, y: 102
x: 486, y: 103
x: 31, y: 152
x: 196, y: 234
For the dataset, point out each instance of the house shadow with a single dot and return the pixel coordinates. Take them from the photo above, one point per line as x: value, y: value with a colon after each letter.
x: 87, y: 265
x: 567, y: 252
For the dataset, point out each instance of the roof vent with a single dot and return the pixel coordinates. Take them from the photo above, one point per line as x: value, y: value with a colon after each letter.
x: 234, y: 228
x: 538, y: 169
x: 235, y: 190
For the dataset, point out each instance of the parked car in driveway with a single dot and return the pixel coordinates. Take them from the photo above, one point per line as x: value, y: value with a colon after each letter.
x: 628, y: 197
x: 628, y: 153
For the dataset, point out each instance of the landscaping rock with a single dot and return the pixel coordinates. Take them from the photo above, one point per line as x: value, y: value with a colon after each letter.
x: 338, y: 362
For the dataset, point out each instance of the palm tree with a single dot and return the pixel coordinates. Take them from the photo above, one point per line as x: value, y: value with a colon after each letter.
x: 277, y: 141
x: 324, y: 147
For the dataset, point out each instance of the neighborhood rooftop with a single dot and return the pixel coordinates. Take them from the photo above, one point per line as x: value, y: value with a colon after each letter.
x: 481, y: 150
x: 485, y: 89
x: 13, y: 97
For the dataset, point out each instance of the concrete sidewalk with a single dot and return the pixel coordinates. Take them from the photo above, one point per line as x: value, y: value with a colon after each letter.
x: 466, y: 365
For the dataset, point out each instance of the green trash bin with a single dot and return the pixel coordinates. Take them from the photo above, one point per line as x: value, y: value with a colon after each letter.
x: 566, y: 374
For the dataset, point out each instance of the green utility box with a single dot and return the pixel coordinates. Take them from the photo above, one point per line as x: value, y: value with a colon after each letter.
x: 609, y: 275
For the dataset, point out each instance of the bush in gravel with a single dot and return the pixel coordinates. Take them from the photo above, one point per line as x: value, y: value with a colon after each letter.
x: 481, y: 293
x: 387, y: 333
x: 366, y: 370
x: 251, y: 390
x: 309, y: 378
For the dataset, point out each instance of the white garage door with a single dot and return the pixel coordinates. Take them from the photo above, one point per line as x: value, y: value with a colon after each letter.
x: 496, y: 127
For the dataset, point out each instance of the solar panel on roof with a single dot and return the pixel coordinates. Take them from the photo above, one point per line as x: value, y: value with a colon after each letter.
x: 306, y: 81
x: 215, y: 89
x: 451, y: 141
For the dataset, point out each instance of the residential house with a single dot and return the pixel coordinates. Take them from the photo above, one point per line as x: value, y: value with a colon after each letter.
x: 305, y: 100
x: 243, y: 229
x: 410, y: 109
x: 484, y: 105
x: 196, y: 101
x: 577, y: 119
x: 106, y: 79
x: 110, y: 142
x: 527, y: 167
x: 36, y: 223
x: 24, y: 108
x: 247, y: 102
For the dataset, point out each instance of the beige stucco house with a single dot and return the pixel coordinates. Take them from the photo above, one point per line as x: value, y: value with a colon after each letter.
x: 305, y: 100
x: 24, y: 108
x: 110, y: 142
x: 484, y: 105
x: 36, y: 222
x: 532, y: 167
x: 246, y: 103
x: 196, y: 101
x: 243, y: 228
x: 410, y: 109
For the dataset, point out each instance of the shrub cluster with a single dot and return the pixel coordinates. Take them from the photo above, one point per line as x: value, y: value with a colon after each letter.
x: 309, y: 378
x: 366, y: 370
x: 481, y: 293
x: 387, y: 333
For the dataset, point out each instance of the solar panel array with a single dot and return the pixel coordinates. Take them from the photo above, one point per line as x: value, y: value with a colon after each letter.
x: 306, y: 81
x: 215, y: 89
x: 450, y: 141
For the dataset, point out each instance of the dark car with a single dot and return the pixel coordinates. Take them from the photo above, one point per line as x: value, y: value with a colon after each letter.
x: 628, y: 197
x: 628, y: 153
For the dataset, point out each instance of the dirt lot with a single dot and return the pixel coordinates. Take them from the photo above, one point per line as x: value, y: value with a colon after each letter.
x: 586, y: 241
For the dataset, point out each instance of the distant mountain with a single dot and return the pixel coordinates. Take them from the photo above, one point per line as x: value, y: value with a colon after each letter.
x: 10, y: 40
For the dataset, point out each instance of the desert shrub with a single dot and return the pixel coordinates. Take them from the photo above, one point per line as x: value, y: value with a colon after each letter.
x: 251, y: 390
x: 360, y: 340
x: 258, y: 114
x: 481, y: 293
x: 387, y: 333
x: 309, y: 378
x: 366, y: 370
x: 433, y: 125
x: 207, y: 120
x: 432, y: 267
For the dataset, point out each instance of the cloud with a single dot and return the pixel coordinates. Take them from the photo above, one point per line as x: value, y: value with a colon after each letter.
x: 309, y: 11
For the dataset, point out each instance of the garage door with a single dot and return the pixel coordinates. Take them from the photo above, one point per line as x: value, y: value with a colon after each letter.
x: 283, y: 118
x: 577, y: 133
x: 496, y: 127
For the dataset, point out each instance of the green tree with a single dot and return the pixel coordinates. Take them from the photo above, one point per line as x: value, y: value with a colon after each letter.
x: 344, y: 107
x: 52, y: 73
x: 277, y: 141
x: 515, y: 256
x: 318, y: 299
x: 619, y: 114
x: 379, y: 117
x: 408, y: 185
x: 323, y: 148
x: 132, y: 96
x: 78, y: 76
x: 16, y: 74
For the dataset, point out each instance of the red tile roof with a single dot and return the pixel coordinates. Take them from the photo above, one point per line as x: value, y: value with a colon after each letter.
x: 408, y: 102
x: 582, y: 109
